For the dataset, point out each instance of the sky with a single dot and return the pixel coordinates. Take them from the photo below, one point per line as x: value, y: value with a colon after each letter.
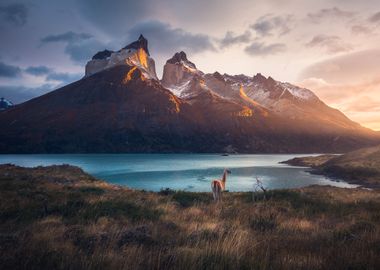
x: 328, y: 46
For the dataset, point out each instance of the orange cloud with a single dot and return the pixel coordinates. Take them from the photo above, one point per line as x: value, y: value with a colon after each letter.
x: 360, y: 102
x: 351, y: 83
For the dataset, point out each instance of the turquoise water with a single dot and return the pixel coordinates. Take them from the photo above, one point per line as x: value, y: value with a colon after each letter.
x: 192, y: 172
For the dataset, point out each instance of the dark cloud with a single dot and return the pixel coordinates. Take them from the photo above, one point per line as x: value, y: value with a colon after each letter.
x: 270, y: 25
x: 261, y: 49
x: 330, y: 13
x: 375, y: 18
x: 9, y: 71
x: 51, y: 75
x: 16, y: 14
x: 332, y: 44
x: 163, y: 38
x: 66, y: 37
x: 83, y: 51
x: 64, y: 78
x: 231, y: 39
x: 79, y: 46
x: 38, y: 70
x: 114, y: 17
x: 19, y: 94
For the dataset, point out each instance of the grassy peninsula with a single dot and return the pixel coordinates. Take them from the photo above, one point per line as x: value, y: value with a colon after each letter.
x: 358, y: 167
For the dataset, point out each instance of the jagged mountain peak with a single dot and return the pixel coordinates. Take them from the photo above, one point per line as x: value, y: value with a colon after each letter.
x: 180, y: 58
x: 135, y: 54
x: 141, y: 43
x: 125, y: 108
x: 259, y: 78
x: 218, y: 76
x: 102, y: 54
x: 178, y: 74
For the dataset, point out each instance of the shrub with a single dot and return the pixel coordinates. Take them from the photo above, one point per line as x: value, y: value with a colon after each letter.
x: 92, y: 190
x: 263, y: 222
x: 187, y: 199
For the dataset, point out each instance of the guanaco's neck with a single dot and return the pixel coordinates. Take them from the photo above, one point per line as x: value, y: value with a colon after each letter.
x: 224, y: 177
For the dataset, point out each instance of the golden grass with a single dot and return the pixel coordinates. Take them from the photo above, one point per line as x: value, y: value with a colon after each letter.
x: 88, y: 224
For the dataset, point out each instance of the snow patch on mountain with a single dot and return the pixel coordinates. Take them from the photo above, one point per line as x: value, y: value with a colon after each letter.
x: 298, y: 92
x: 180, y: 90
x: 134, y: 54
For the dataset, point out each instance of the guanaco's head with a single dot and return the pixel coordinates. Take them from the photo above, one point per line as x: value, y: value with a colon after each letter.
x: 227, y: 171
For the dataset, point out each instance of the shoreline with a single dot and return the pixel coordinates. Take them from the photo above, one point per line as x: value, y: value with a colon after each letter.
x: 186, y: 189
x: 324, y: 165
x: 60, y: 215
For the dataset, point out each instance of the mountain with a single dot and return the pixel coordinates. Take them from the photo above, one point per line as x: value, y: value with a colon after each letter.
x: 5, y: 104
x: 265, y: 94
x: 134, y: 54
x: 121, y: 106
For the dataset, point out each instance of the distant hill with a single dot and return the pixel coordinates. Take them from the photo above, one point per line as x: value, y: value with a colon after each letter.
x: 361, y: 166
x: 5, y: 104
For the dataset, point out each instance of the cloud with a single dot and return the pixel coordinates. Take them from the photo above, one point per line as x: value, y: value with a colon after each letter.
x: 359, y: 101
x: 15, y: 14
x: 261, y: 49
x: 375, y: 18
x: 114, y: 17
x: 69, y: 37
x: 9, y: 71
x: 54, y: 80
x: 350, y: 67
x: 329, y: 13
x: 64, y: 78
x: 79, y: 46
x: 37, y: 70
x: 19, y: 94
x: 166, y: 39
x: 231, y: 39
x: 350, y: 82
x: 332, y: 44
x: 364, y: 104
x: 269, y: 25
x: 360, y: 30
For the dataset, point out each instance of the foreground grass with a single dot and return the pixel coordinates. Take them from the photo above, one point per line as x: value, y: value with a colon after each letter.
x: 58, y: 217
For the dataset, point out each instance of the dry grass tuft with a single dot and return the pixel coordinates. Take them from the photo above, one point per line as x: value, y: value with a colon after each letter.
x: 61, y: 218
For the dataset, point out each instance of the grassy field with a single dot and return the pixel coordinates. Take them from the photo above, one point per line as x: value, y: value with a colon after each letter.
x: 58, y: 217
x: 358, y: 167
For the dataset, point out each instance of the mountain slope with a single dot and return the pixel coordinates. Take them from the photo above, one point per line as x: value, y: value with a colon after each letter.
x: 119, y: 110
x: 121, y: 106
x: 260, y: 93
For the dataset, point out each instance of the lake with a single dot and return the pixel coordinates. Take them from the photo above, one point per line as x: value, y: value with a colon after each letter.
x: 191, y: 172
